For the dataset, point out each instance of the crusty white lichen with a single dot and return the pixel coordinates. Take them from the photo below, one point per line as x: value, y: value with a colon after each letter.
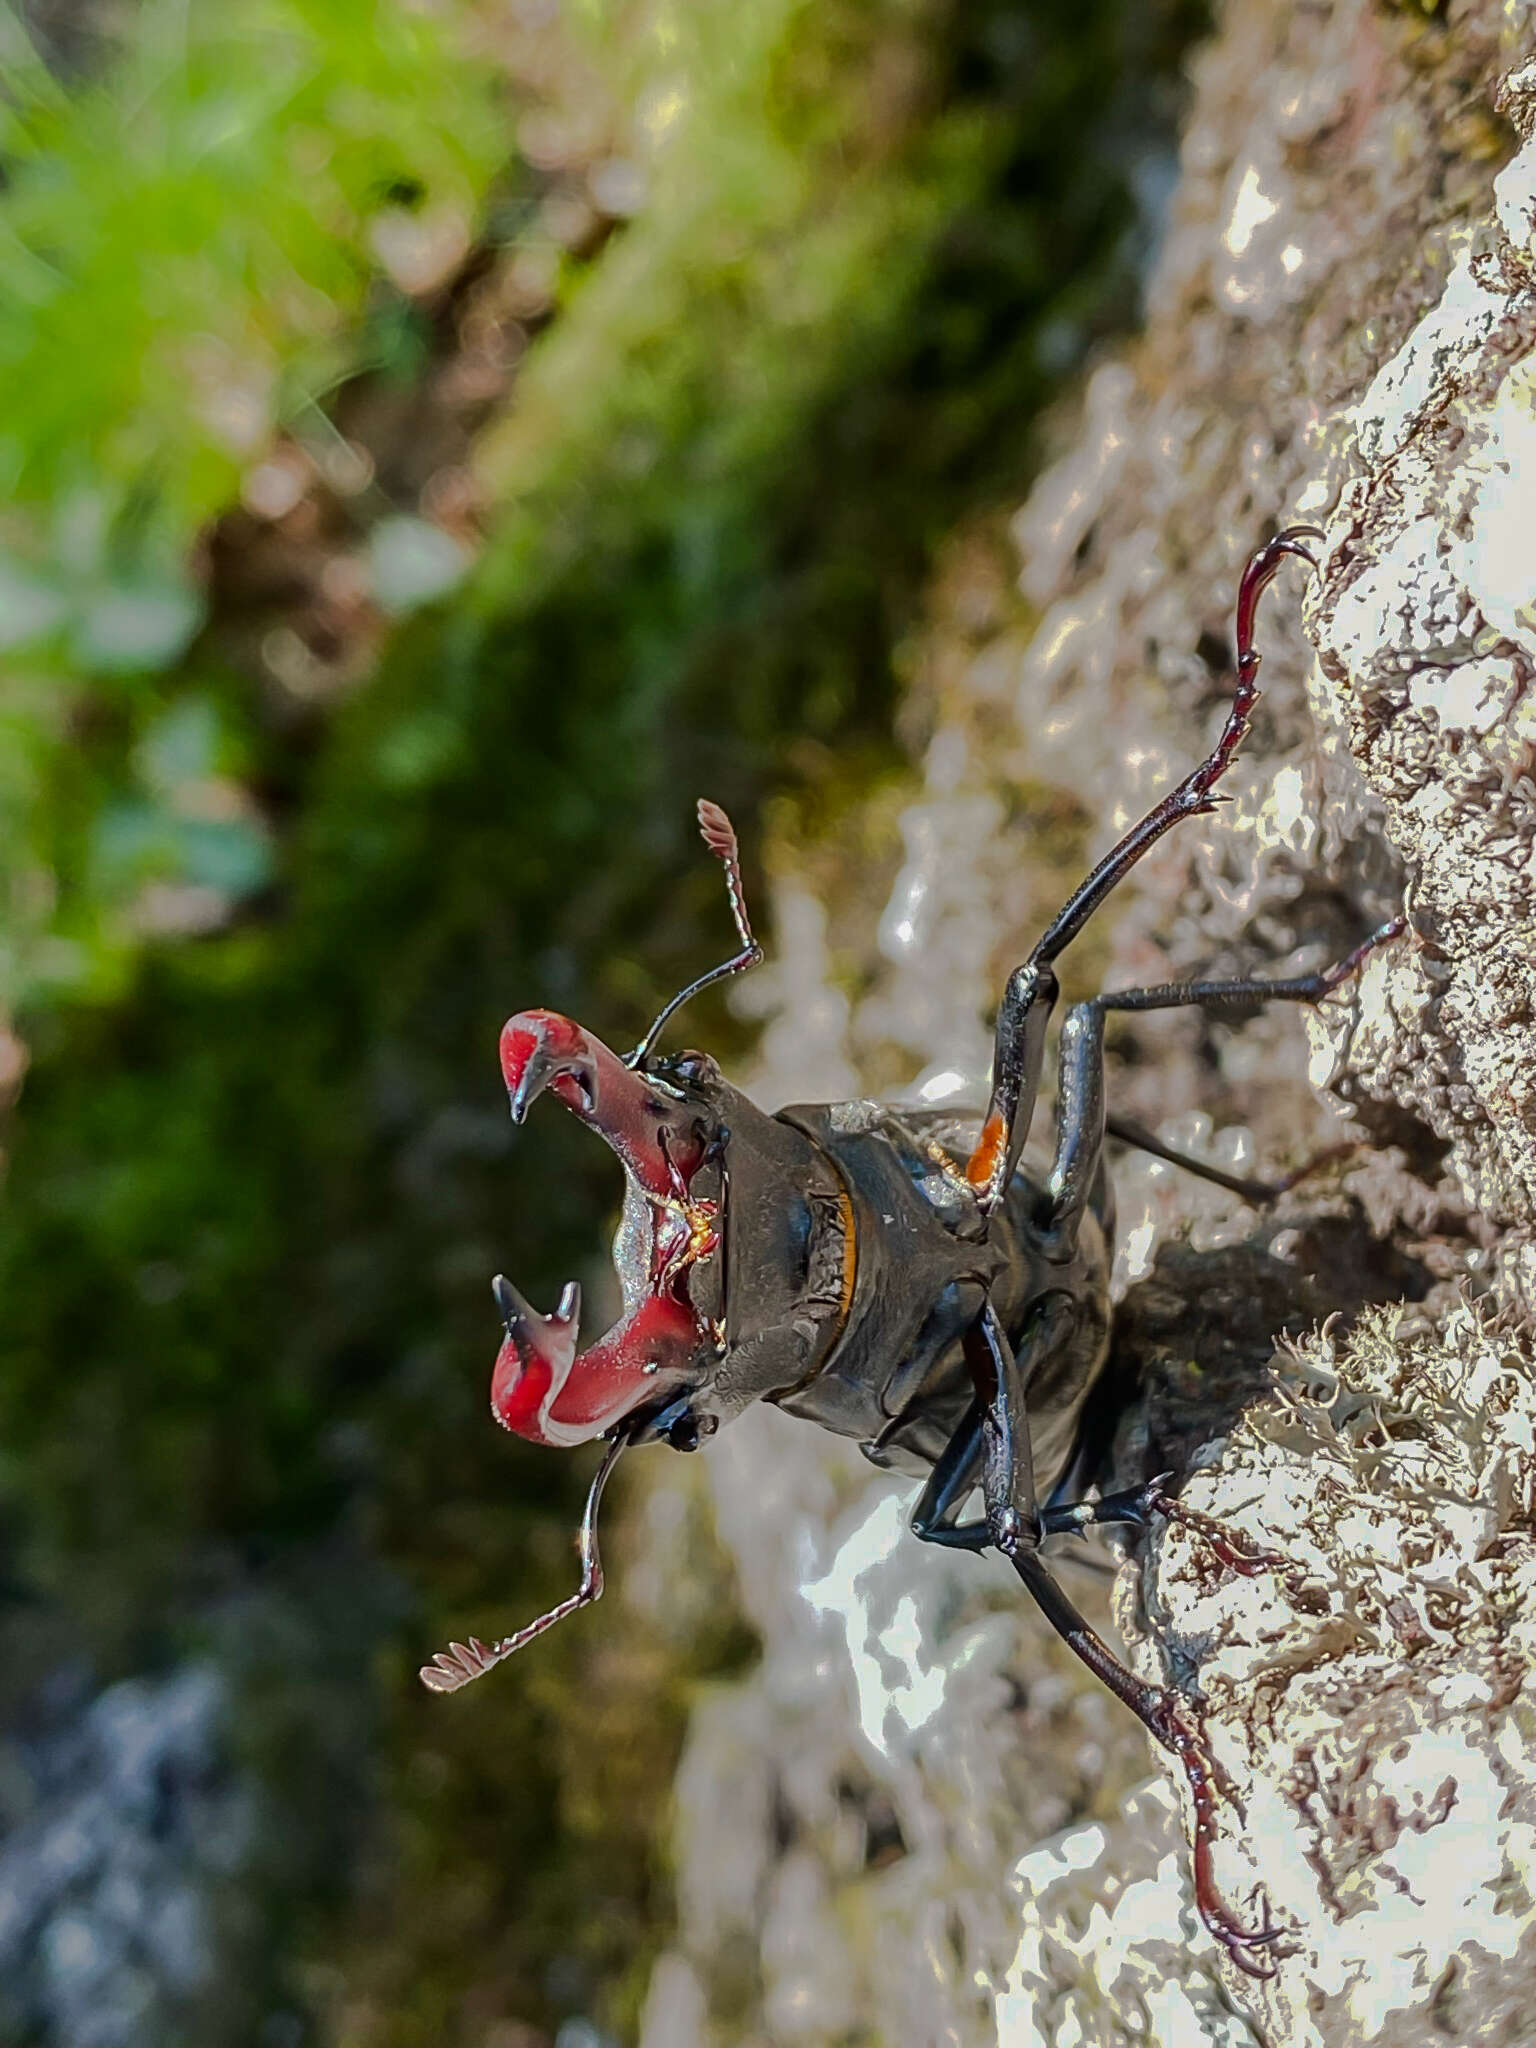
x: 1370, y: 1707
x: 1370, y: 1702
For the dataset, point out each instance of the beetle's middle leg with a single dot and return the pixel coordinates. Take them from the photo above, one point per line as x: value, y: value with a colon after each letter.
x: 1080, y: 1117
x: 991, y: 1447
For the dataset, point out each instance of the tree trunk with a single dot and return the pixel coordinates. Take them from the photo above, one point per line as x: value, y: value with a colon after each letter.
x: 869, y: 1836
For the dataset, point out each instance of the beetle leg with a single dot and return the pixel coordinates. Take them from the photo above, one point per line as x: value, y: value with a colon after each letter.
x: 1077, y: 1165
x: 947, y: 1488
x: 991, y: 1447
x: 1251, y: 993
x: 1135, y: 1507
x: 1193, y: 794
x: 1000, y: 1376
x: 1031, y: 988
x: 1029, y: 996
x: 1169, y: 1722
x: 1080, y: 1117
x: 1129, y: 1132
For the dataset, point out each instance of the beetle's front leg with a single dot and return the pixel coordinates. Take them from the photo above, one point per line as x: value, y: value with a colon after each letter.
x: 1017, y: 1058
x: 991, y: 1448
x: 1032, y: 987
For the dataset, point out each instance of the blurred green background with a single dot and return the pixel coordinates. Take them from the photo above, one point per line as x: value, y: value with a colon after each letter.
x: 440, y: 438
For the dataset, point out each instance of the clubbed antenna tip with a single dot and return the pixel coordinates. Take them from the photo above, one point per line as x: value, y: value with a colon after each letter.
x: 716, y: 830
x: 719, y: 835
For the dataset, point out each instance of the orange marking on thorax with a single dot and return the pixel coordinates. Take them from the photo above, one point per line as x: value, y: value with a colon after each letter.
x: 850, y: 1256
x: 983, y: 1162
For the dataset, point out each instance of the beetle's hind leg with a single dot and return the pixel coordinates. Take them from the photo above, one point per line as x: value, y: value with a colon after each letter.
x: 1129, y: 1132
x: 1172, y: 1726
x: 991, y: 1449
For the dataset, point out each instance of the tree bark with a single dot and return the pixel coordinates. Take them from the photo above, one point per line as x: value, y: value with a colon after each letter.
x: 912, y: 1819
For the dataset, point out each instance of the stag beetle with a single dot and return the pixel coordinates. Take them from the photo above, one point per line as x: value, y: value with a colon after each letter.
x: 897, y: 1276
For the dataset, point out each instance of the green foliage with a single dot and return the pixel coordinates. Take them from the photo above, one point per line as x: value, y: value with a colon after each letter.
x: 184, y: 261
x: 186, y: 238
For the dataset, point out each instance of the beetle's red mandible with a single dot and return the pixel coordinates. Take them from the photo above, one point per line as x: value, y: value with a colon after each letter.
x: 542, y: 1388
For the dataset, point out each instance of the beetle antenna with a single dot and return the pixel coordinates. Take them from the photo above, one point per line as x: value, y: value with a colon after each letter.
x: 719, y: 835
x: 460, y: 1662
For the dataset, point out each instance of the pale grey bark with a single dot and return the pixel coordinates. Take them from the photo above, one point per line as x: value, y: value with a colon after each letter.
x: 870, y: 1828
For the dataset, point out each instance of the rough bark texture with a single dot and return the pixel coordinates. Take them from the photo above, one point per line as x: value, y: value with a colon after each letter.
x: 1425, y: 624
x: 1340, y: 329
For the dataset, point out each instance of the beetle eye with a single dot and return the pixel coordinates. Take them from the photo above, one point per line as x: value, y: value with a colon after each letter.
x: 690, y: 1430
x: 695, y: 1066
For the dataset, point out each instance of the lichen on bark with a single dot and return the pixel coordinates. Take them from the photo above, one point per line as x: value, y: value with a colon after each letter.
x: 1425, y: 624
x: 1338, y: 329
